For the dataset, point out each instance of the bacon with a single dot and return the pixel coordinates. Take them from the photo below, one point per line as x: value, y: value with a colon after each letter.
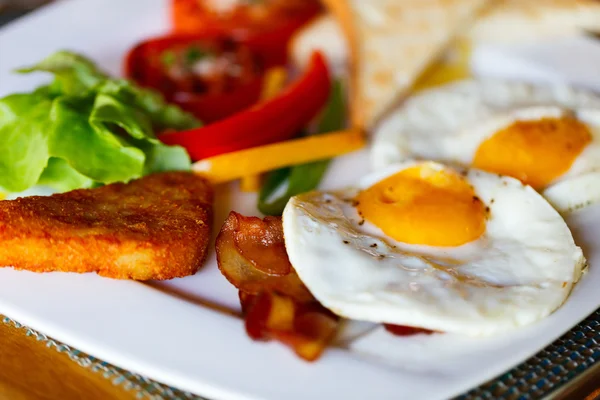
x: 261, y: 242
x: 251, y: 255
x: 306, y: 328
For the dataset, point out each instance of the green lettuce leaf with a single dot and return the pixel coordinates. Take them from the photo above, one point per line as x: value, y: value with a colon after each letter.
x: 73, y: 72
x: 85, y: 129
x: 93, y: 150
x: 108, y: 113
x: 162, y: 114
x: 60, y: 176
x: 24, y: 120
x: 162, y: 158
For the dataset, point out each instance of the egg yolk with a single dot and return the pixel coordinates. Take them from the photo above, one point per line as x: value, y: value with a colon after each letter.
x: 424, y: 205
x: 535, y: 152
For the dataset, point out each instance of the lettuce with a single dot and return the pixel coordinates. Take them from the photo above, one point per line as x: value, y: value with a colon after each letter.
x: 85, y: 129
x: 23, y: 140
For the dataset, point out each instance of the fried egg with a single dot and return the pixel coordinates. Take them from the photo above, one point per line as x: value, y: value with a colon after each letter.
x: 547, y: 137
x: 431, y: 246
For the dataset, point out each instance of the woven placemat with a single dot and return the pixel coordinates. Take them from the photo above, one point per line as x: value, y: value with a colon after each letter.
x: 548, y: 370
x: 539, y: 376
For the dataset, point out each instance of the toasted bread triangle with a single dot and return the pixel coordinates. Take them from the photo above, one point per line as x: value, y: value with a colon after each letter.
x: 392, y: 42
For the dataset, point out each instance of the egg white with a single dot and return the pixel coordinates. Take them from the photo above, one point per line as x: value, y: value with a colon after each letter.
x: 520, y: 270
x: 448, y: 124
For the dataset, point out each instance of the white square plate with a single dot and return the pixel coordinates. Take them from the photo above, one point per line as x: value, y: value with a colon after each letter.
x: 162, y: 330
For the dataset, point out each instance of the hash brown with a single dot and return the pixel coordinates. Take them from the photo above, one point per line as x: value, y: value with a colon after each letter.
x: 156, y: 227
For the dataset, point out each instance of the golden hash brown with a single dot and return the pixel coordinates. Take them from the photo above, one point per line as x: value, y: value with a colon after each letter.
x: 156, y: 227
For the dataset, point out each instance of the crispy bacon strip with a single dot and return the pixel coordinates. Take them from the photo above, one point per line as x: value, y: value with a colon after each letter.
x: 307, y: 328
x: 276, y: 304
x: 251, y: 255
x: 261, y: 242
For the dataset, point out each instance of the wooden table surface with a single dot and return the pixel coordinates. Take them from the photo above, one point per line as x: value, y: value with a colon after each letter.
x: 31, y: 371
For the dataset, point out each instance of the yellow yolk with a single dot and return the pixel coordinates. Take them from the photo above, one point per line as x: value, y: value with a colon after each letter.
x: 535, y: 152
x: 424, y: 205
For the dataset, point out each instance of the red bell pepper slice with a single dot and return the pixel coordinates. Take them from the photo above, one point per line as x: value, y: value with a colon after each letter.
x: 278, y: 119
x: 143, y: 65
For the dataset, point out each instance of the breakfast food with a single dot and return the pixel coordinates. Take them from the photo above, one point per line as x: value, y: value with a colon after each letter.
x: 84, y: 129
x: 210, y: 75
x: 392, y: 42
x: 451, y: 236
x: 419, y: 247
x: 156, y: 227
x: 251, y: 255
x: 429, y: 246
x: 546, y: 136
x: 276, y: 304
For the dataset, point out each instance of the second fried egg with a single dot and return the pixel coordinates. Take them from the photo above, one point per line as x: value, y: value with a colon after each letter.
x: 547, y: 137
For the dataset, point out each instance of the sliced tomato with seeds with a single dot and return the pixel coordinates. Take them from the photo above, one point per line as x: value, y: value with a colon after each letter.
x: 209, y: 74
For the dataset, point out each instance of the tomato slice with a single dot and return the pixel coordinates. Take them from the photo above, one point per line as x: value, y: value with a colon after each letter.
x: 209, y: 74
